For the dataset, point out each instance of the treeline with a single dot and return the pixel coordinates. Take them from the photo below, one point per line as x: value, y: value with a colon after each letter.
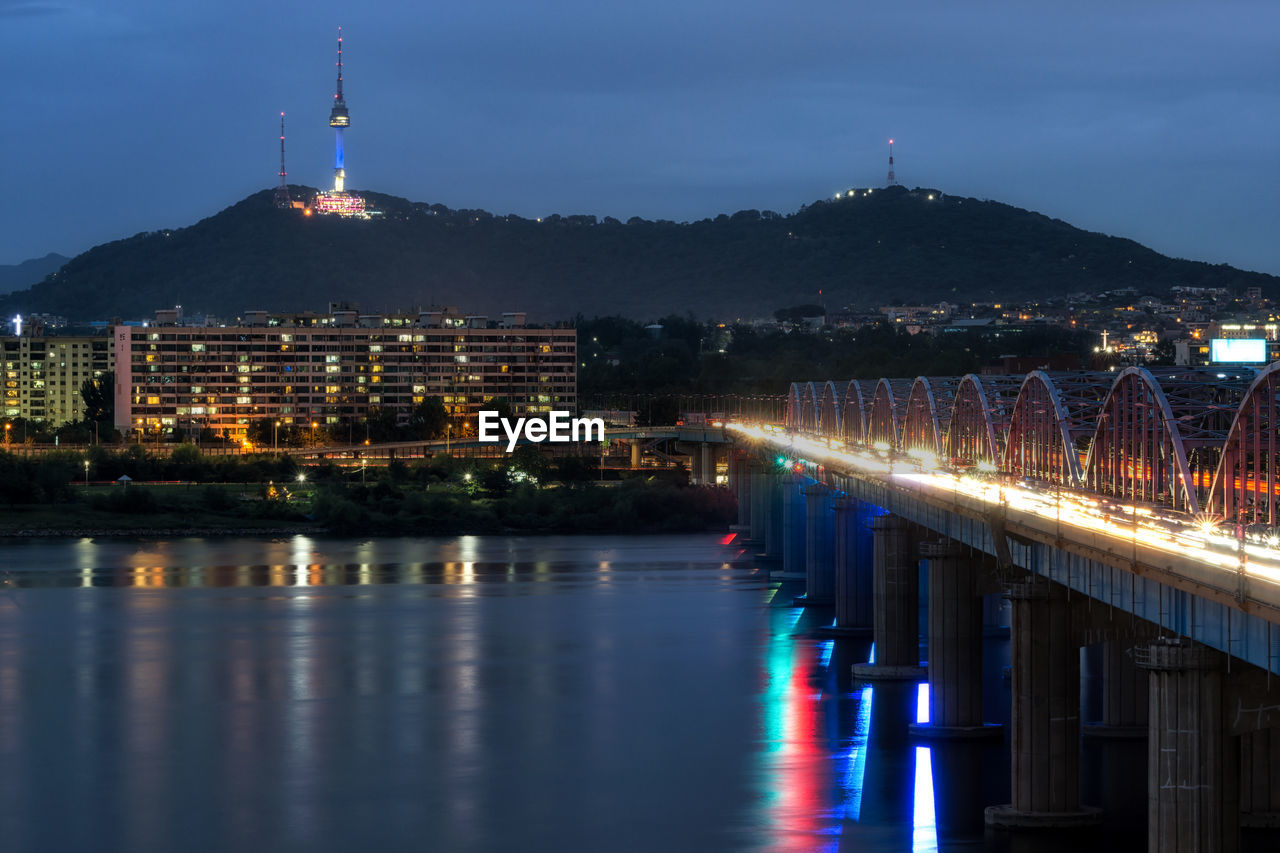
x: 525, y: 491
x: 621, y: 357
x: 634, y: 506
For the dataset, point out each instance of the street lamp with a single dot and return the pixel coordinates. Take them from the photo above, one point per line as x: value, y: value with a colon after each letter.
x: 275, y: 436
x: 313, y: 433
x: 7, y: 428
x: 363, y: 463
x: 86, y: 473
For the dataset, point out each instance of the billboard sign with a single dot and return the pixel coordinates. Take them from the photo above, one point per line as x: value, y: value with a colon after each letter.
x: 1238, y: 351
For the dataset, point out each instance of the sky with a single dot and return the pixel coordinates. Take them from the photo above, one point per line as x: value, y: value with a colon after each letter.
x: 1158, y: 121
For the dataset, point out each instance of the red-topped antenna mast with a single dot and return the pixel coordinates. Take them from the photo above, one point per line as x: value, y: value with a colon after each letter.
x: 282, y: 191
x: 892, y: 179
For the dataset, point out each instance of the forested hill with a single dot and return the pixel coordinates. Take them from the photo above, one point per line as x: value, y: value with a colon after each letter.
x: 27, y: 273
x: 868, y: 250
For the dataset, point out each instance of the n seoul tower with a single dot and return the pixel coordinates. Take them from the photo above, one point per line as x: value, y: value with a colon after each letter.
x: 338, y: 119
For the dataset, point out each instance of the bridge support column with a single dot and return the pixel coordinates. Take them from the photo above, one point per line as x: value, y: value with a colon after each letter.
x: 771, y: 514
x: 704, y: 465
x: 637, y: 450
x: 1045, y: 741
x: 896, y: 602
x: 819, y: 546
x: 854, y: 585
x: 793, y: 523
x: 1124, y: 695
x: 955, y: 644
x: 740, y: 485
x: 1260, y: 779
x: 1192, y: 761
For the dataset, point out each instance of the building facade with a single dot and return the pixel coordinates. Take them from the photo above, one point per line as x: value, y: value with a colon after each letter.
x: 333, y: 369
x: 43, y: 374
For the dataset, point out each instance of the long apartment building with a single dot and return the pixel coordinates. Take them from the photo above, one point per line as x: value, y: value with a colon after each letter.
x: 43, y: 374
x: 333, y: 369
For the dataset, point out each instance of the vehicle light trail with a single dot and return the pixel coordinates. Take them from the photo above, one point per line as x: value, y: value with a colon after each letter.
x: 1167, y: 531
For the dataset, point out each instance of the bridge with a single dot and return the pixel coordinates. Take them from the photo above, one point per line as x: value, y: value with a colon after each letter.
x: 1132, y: 513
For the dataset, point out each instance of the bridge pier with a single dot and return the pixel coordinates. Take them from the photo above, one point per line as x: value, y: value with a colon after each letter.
x: 704, y: 465
x: 895, y: 603
x: 740, y: 483
x: 1124, y: 694
x: 793, y: 527
x: 766, y: 514
x: 637, y: 450
x: 955, y: 644
x: 819, y: 550
x: 1045, y: 737
x: 1192, y: 761
x: 1260, y: 779
x: 853, y: 582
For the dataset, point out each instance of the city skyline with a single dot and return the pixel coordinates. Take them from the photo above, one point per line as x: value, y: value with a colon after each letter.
x: 1151, y: 127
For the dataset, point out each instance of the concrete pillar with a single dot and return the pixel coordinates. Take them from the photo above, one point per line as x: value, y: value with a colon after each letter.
x: 792, y: 527
x: 1124, y: 694
x: 637, y: 449
x: 759, y: 499
x: 1260, y: 779
x: 955, y: 643
x: 896, y: 600
x: 1045, y: 736
x: 740, y: 482
x: 854, y: 585
x: 819, y: 546
x: 775, y: 486
x: 706, y: 465
x: 1192, y: 762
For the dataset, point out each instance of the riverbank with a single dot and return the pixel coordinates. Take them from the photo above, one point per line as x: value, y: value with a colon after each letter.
x: 172, y: 510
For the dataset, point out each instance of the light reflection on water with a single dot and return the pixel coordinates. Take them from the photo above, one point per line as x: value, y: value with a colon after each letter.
x: 480, y: 693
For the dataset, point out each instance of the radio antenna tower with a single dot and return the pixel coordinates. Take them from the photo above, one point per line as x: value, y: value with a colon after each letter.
x: 892, y: 180
x: 282, y: 191
x: 339, y: 118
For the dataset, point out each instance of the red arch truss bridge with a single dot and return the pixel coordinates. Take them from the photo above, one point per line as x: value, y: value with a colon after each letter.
x: 1201, y: 441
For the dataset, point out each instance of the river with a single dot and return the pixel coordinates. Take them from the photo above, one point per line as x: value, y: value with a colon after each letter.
x: 472, y: 693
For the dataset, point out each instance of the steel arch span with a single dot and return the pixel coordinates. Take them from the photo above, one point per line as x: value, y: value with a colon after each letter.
x: 888, y: 408
x: 808, y: 407
x: 829, y: 406
x: 1052, y: 416
x: 794, y: 418
x: 980, y: 419
x: 1245, y: 483
x: 928, y: 413
x: 857, y: 409
x: 1156, y: 431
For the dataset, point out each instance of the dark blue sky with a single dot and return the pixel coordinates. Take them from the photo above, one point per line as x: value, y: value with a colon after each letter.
x: 1158, y: 121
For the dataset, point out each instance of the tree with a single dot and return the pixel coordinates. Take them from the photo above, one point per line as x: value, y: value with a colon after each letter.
x: 99, y: 398
x: 429, y: 419
x: 529, y: 460
x: 380, y: 424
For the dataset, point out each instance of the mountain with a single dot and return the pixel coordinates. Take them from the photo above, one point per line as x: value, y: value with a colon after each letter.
x: 27, y: 273
x: 889, y: 244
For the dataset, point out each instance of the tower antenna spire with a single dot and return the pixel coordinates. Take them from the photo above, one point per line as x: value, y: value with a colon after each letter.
x: 892, y: 180
x: 338, y: 119
x: 338, y: 96
x: 282, y: 191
